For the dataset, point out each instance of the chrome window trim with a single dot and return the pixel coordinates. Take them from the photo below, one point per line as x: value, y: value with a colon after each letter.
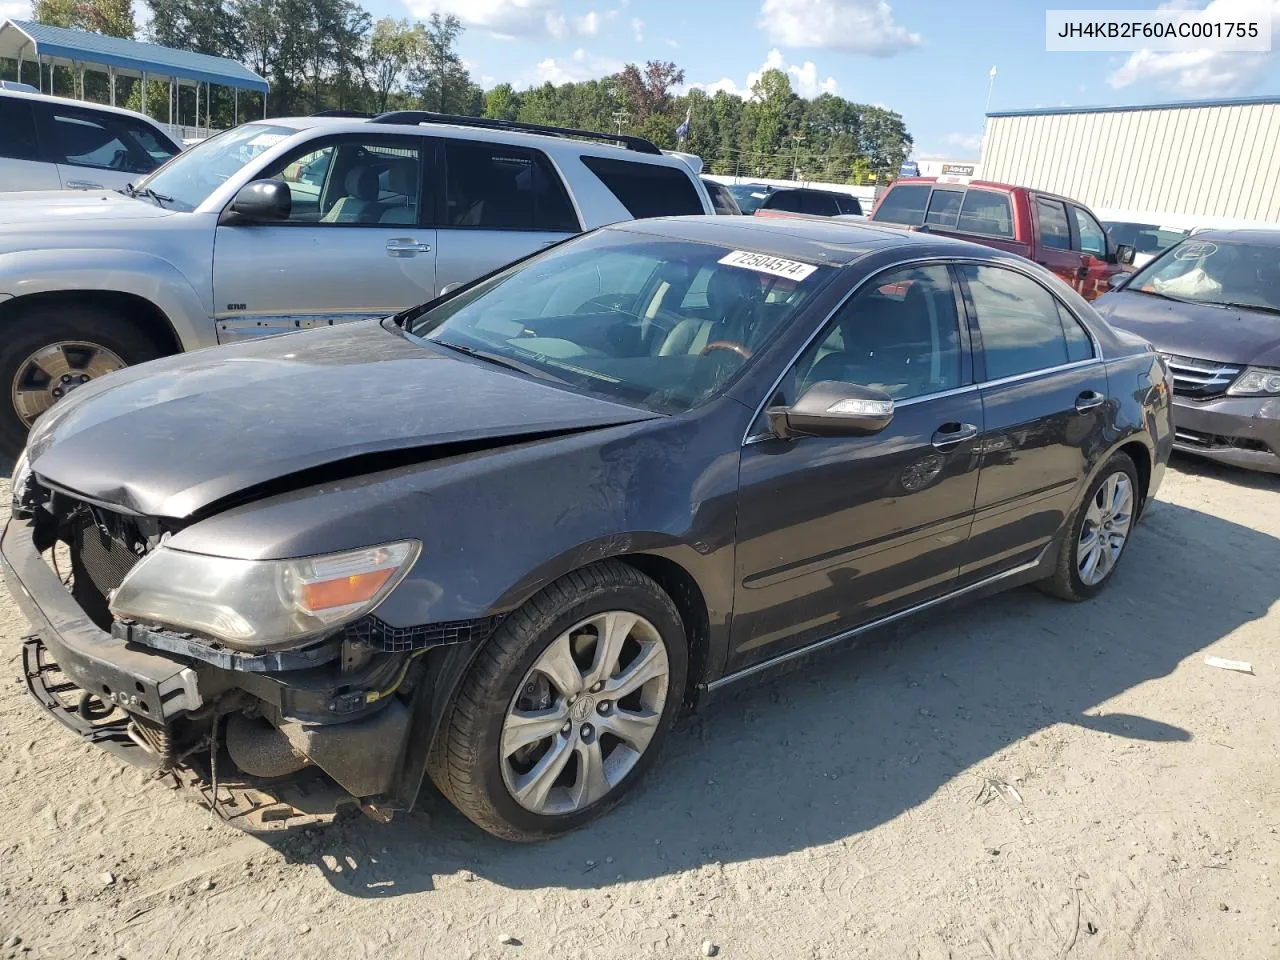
x: 1043, y: 371
x: 748, y: 437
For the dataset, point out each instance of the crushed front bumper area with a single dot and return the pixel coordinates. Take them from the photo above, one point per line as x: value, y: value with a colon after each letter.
x: 1239, y: 431
x: 316, y: 738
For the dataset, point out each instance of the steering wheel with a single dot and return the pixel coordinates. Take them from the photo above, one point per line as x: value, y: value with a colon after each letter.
x: 729, y: 345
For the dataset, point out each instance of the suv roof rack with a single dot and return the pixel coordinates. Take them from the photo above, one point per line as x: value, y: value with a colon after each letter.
x: 353, y: 114
x: 638, y: 144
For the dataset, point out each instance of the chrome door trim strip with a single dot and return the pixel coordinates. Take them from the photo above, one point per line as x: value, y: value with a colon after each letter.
x: 866, y: 627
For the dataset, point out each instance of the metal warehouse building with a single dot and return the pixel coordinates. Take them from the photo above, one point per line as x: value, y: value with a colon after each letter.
x: 1202, y: 158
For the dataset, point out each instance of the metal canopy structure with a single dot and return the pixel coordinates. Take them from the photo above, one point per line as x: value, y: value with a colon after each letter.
x: 39, y: 44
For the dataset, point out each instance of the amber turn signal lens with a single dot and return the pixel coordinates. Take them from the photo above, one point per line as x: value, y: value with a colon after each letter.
x: 344, y: 591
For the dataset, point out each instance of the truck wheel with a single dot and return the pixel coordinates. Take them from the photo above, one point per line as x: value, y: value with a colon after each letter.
x: 1098, y: 533
x: 565, y: 706
x: 51, y: 350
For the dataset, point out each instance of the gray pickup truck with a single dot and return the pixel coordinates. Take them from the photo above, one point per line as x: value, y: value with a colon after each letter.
x: 295, y: 223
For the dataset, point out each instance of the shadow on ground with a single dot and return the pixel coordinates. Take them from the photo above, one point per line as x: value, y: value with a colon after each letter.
x: 854, y: 738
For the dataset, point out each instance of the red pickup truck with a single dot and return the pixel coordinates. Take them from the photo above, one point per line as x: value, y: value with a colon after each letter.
x: 1056, y: 232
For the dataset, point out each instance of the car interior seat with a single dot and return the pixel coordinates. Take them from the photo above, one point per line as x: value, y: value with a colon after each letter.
x: 735, y: 303
x: 402, y: 179
x: 360, y: 203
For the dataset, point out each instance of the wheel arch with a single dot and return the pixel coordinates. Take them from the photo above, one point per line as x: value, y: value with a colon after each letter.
x: 131, y: 307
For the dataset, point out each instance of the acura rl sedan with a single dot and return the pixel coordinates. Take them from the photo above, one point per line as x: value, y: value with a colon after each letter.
x: 501, y: 540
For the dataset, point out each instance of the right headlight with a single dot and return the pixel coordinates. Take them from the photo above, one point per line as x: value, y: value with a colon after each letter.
x: 1256, y: 382
x: 260, y: 604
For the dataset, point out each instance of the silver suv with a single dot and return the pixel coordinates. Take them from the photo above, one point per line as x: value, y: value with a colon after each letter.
x: 294, y: 223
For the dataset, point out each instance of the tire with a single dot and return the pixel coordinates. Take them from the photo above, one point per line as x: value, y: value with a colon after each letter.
x: 47, y: 325
x: 470, y: 768
x: 1068, y: 582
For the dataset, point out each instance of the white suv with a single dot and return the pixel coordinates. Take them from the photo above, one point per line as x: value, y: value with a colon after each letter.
x: 292, y: 223
x: 50, y: 143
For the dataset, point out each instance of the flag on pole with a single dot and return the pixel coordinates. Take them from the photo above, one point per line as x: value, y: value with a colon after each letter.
x: 682, y: 131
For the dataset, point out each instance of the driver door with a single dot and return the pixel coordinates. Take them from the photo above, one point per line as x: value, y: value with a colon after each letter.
x: 834, y: 532
x: 358, y: 242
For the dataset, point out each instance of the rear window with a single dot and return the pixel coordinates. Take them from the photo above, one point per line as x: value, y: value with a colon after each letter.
x: 497, y: 187
x: 944, y: 208
x: 849, y: 205
x: 789, y: 201
x: 18, y: 123
x: 988, y: 212
x: 646, y: 189
x: 904, y: 204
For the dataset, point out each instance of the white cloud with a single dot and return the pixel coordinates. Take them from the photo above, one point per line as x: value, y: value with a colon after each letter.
x: 671, y: 42
x: 15, y: 10
x: 526, y: 19
x: 588, y: 24
x: 854, y: 26
x: 963, y: 141
x: 575, y: 68
x: 804, y: 79
x: 637, y: 29
x: 1202, y: 73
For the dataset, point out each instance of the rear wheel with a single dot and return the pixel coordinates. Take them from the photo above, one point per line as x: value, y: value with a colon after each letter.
x: 566, y: 705
x: 1098, y: 533
x: 51, y: 350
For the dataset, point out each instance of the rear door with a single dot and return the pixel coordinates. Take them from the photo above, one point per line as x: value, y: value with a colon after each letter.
x: 357, y: 243
x: 22, y: 165
x: 1091, y: 241
x: 1053, y: 244
x: 1044, y: 399
x: 498, y: 203
x: 95, y: 150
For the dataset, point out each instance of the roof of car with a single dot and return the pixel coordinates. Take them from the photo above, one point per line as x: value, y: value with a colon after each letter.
x: 1267, y: 238
x: 83, y: 104
x: 817, y: 239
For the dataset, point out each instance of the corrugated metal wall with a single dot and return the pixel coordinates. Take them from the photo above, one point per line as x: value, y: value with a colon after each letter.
x: 1215, y: 160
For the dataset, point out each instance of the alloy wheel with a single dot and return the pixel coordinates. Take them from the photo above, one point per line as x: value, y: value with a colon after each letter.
x: 585, y: 713
x: 53, y: 371
x: 1105, y: 530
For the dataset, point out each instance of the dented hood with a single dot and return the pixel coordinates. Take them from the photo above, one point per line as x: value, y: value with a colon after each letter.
x: 172, y: 437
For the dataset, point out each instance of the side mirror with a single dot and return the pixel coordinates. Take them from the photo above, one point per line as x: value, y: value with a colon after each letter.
x: 261, y: 201
x: 1124, y: 254
x: 832, y: 409
x: 1117, y: 280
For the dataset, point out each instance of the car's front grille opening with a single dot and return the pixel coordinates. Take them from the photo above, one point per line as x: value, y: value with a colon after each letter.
x: 1200, y: 379
x: 1216, y: 441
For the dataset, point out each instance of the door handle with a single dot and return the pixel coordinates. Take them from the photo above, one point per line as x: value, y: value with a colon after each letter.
x: 1089, y: 400
x: 406, y: 247
x: 951, y: 435
x: 83, y: 185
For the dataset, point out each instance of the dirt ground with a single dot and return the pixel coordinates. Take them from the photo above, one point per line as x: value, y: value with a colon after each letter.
x: 1015, y: 778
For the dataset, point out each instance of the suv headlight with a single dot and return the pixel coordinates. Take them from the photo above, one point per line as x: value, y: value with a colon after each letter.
x: 257, y: 604
x: 20, y: 477
x: 1256, y: 382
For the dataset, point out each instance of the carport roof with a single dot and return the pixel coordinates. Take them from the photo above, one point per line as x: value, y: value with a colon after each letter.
x: 29, y: 40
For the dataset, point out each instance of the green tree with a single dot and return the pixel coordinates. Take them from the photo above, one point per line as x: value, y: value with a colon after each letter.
x: 392, y: 47
x: 112, y: 17
x: 502, y: 103
x: 648, y: 93
x: 439, y: 76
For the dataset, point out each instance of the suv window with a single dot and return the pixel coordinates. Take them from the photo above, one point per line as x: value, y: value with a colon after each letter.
x: 818, y: 204
x: 83, y: 138
x: 1092, y: 237
x: 354, y: 183
x: 850, y: 205
x: 788, y: 201
x: 721, y: 199
x: 19, y: 126
x: 646, y: 189
x: 1022, y: 329
x: 494, y: 186
x: 987, y: 212
x: 904, y: 204
x: 944, y: 208
x: 1054, y: 231
x: 900, y: 333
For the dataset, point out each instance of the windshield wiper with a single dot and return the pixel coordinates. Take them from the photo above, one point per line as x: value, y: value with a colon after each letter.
x: 159, y: 199
x: 499, y: 360
x: 1263, y: 308
x: 1170, y: 296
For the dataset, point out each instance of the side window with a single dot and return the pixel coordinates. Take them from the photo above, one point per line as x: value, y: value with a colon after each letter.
x: 354, y: 184
x: 1079, y: 343
x: 19, y: 125
x: 721, y: 199
x: 1054, y: 231
x: 497, y: 187
x: 819, y: 204
x: 900, y: 334
x: 1092, y: 238
x: 1021, y: 329
x: 646, y: 189
x: 904, y: 204
x: 149, y: 140
x: 944, y: 208
x: 82, y: 139
x: 850, y: 205
x: 988, y: 212
x: 790, y: 201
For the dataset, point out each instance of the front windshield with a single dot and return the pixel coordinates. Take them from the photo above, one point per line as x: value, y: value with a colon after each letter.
x: 1143, y: 237
x: 658, y: 323
x: 1216, y: 271
x: 749, y: 196
x: 188, y: 179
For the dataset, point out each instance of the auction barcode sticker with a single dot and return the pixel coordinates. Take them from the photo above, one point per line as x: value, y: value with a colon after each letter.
x: 763, y: 263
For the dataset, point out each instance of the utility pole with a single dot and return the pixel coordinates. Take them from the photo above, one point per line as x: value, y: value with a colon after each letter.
x: 991, y: 85
x: 795, y: 170
x: 620, y: 117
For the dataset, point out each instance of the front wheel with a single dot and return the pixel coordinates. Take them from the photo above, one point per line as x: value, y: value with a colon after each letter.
x: 566, y: 705
x: 1098, y: 533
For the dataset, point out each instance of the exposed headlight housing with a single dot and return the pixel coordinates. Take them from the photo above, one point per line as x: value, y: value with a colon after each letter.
x: 19, y: 480
x: 261, y: 604
x: 1256, y: 382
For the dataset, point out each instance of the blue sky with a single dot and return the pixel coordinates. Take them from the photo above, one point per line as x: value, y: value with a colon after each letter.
x: 927, y: 60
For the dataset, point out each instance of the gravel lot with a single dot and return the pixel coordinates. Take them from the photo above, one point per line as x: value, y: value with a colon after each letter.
x: 856, y: 807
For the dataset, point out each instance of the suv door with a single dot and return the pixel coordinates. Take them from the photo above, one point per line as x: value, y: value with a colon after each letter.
x: 353, y: 247
x: 499, y: 203
x: 1053, y: 247
x: 95, y: 150
x: 836, y: 532
x: 1091, y: 240
x: 1044, y: 398
x: 22, y: 164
